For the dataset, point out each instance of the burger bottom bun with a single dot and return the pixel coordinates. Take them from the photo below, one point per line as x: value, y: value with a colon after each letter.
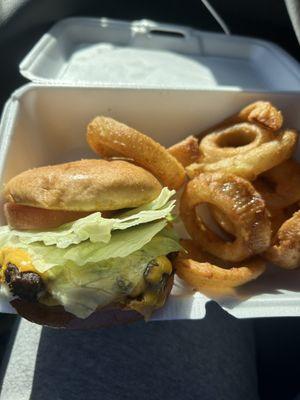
x: 57, y: 317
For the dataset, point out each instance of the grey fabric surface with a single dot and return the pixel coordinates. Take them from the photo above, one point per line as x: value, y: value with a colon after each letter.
x: 9, y: 8
x: 209, y: 359
x: 293, y: 7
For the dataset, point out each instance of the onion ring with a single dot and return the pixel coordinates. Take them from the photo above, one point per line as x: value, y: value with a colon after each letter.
x: 245, y: 208
x: 285, y: 251
x: 261, y: 113
x: 110, y: 138
x: 186, y: 151
x: 280, y: 186
x: 199, y: 271
x: 279, y: 215
x: 234, y: 140
x: 249, y: 165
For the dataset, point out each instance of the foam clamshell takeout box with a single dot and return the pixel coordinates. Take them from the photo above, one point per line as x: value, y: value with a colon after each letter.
x: 164, y: 80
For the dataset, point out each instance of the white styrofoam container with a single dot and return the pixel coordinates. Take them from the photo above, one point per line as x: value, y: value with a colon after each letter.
x: 165, y: 80
x: 43, y: 125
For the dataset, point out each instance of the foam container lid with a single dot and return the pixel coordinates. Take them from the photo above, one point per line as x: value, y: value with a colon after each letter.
x: 146, y: 54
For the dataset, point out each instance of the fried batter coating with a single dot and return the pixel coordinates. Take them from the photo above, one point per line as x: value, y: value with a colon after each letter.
x: 280, y: 186
x: 285, y: 251
x: 186, y: 151
x: 203, y: 273
x: 110, y: 138
x: 234, y: 140
x: 261, y: 113
x: 256, y: 161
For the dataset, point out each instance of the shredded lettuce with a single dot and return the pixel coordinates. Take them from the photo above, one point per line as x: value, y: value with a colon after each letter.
x: 94, y: 227
x: 121, y: 244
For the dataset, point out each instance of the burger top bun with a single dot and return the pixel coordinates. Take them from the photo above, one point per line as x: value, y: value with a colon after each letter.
x: 85, y: 186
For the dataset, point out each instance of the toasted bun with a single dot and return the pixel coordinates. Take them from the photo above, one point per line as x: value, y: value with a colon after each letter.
x: 57, y: 317
x: 86, y: 185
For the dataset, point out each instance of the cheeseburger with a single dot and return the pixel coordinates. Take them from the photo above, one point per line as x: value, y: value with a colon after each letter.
x: 88, y: 243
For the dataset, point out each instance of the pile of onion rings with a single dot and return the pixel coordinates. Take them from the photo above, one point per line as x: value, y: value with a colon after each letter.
x: 250, y: 186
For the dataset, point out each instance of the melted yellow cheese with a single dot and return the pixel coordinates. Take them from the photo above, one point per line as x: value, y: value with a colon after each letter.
x: 162, y: 266
x: 152, y: 298
x: 20, y: 258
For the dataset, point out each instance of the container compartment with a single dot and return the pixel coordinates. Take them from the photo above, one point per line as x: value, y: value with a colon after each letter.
x: 43, y: 125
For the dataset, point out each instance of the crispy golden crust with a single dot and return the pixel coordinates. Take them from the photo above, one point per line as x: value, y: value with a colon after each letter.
x: 186, y: 151
x: 110, y: 138
x: 260, y: 113
x: 201, y: 272
x: 57, y: 317
x: 280, y: 186
x: 285, y: 251
x: 256, y: 161
x: 86, y: 185
x: 234, y: 140
x: 239, y: 201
